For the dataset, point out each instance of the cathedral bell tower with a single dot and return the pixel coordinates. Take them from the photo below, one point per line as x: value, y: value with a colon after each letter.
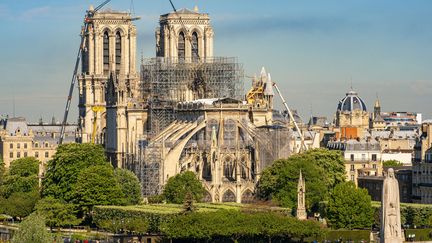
x: 185, y: 35
x: 110, y: 48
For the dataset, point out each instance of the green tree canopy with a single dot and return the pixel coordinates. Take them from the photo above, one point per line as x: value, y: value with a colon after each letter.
x: 129, y: 184
x: 392, y: 163
x: 63, y: 170
x: 19, y: 204
x: 57, y: 213
x: 22, y: 176
x: 19, y: 191
x: 32, y: 229
x: 179, y: 185
x: 322, y: 169
x: 96, y: 185
x: 350, y: 207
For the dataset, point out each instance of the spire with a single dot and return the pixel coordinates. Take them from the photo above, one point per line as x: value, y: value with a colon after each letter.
x: 263, y: 74
x: 269, y: 86
x: 377, y: 102
x: 301, y: 202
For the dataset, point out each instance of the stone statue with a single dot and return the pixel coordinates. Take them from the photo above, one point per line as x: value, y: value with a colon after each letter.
x: 391, y: 231
x: 301, y: 205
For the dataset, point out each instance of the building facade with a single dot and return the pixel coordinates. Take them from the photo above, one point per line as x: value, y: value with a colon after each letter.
x: 362, y: 158
x: 18, y: 139
x: 422, y: 165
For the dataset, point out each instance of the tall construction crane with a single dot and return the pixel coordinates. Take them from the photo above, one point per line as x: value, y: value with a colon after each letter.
x: 87, y: 21
x: 303, y: 145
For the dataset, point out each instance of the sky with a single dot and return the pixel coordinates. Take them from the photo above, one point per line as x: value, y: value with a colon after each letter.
x: 315, y: 50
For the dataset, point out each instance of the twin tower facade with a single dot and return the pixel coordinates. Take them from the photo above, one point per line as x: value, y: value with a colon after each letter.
x: 110, y: 56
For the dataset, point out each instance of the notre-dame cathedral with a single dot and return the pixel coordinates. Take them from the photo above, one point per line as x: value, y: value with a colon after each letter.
x: 182, y: 110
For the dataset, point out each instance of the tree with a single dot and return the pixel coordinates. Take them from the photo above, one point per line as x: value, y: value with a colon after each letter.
x: 130, y: 185
x: 350, y: 207
x: 322, y: 169
x: 177, y: 187
x: 96, y: 185
x: 32, y: 229
x: 19, y: 204
x: 392, y: 163
x: 22, y: 176
x: 63, y: 170
x: 19, y: 191
x: 57, y: 213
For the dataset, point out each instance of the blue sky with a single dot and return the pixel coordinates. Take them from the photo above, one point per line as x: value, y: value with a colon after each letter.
x: 312, y: 48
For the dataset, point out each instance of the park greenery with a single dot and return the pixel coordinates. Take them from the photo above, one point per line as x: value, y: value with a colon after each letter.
x: 81, y: 187
x: 322, y: 169
x: 33, y: 229
x: 80, y: 175
x: 226, y: 222
x: 19, y: 190
x: 392, y: 163
x: 181, y: 185
x: 349, y: 207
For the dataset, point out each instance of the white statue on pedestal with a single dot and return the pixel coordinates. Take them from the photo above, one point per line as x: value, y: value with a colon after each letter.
x: 391, y: 231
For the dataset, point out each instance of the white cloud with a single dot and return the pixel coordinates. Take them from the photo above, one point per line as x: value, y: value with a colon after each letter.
x: 32, y: 13
x: 422, y: 87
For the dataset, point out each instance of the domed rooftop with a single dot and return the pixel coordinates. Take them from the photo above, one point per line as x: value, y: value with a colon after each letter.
x: 351, y: 102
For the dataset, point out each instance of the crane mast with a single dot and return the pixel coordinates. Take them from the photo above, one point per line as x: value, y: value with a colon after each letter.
x: 87, y: 20
x: 303, y: 145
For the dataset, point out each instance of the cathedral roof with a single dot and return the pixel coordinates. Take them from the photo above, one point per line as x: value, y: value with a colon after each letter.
x: 351, y: 102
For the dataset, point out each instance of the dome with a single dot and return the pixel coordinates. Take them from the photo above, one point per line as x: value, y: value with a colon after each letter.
x: 351, y: 102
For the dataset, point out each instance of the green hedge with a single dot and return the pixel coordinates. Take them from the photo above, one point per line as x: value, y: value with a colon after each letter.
x: 419, y: 215
x: 116, y: 219
x: 208, y: 222
x: 420, y: 234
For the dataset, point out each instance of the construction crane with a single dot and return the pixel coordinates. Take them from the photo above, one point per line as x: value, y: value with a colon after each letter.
x: 87, y: 21
x: 303, y: 145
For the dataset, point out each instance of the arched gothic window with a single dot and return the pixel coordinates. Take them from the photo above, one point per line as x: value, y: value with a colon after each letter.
x: 85, y: 57
x: 106, y: 52
x: 195, y: 55
x: 181, y: 47
x: 118, y: 51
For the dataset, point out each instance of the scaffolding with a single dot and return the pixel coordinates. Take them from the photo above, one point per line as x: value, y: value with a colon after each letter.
x: 164, y: 83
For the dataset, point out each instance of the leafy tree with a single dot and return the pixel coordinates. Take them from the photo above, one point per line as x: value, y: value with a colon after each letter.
x: 350, y: 207
x: 96, y: 185
x: 392, y: 163
x: 179, y: 185
x: 322, y: 169
x: 19, y: 190
x: 130, y: 185
x: 32, y: 229
x: 63, y: 170
x: 22, y: 176
x: 19, y: 204
x: 57, y: 213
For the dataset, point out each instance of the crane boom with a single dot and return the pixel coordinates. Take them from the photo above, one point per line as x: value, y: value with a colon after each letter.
x: 87, y: 19
x: 303, y: 145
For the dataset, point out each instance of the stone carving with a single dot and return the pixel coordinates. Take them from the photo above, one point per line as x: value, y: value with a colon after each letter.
x: 391, y: 231
x: 301, y: 205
